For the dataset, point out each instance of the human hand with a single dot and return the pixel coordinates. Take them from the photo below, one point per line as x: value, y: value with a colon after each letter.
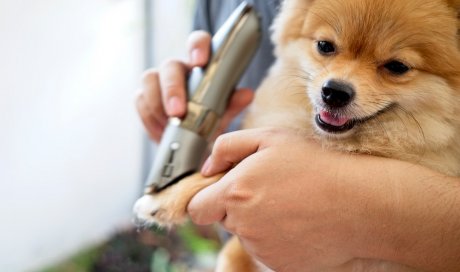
x: 282, y: 201
x: 298, y: 207
x: 163, y: 93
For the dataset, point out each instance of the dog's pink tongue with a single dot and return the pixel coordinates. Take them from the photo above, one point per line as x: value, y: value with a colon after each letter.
x: 333, y: 120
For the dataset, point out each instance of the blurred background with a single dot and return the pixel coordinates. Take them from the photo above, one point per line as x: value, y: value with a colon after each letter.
x: 73, y: 154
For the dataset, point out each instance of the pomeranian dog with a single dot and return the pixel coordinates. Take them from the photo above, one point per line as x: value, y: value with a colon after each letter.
x: 380, y: 77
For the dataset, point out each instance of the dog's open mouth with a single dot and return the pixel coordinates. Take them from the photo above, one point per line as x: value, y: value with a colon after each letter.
x: 339, y: 123
x: 333, y: 123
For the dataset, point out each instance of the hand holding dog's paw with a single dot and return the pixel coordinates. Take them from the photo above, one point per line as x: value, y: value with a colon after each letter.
x: 169, y: 207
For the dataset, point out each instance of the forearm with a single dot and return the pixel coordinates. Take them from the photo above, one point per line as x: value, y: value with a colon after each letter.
x: 413, y: 216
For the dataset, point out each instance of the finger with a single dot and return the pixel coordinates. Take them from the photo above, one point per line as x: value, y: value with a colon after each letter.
x: 153, y: 127
x: 231, y: 148
x: 208, y: 205
x: 152, y: 95
x: 238, y: 102
x: 172, y: 82
x: 199, y: 48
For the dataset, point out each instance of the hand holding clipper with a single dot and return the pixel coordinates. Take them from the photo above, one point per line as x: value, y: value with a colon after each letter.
x: 184, y: 142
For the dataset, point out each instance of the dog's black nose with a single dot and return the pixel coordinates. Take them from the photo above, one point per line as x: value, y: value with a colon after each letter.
x: 337, y: 93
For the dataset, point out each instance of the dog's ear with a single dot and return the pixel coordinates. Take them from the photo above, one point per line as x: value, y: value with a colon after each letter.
x: 290, y: 20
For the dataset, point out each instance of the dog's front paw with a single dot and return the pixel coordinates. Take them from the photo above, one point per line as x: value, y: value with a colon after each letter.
x: 163, y: 209
x: 169, y: 207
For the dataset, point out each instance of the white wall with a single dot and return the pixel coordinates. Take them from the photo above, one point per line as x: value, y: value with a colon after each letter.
x: 172, y: 23
x: 70, y: 140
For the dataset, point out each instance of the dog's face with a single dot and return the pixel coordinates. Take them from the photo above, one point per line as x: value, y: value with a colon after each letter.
x: 371, y: 64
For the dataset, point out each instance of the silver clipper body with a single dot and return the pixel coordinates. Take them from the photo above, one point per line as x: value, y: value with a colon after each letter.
x: 184, y: 142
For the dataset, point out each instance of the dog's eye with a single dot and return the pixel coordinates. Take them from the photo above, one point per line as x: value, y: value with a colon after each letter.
x: 326, y: 48
x: 396, y: 67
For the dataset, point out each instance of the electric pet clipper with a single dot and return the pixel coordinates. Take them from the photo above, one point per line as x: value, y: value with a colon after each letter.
x: 184, y: 142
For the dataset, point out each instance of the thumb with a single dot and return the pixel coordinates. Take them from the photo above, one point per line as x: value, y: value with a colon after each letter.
x: 208, y: 205
x: 231, y: 148
x: 199, y: 48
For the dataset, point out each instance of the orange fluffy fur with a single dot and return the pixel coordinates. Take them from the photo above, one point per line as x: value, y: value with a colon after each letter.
x: 421, y: 126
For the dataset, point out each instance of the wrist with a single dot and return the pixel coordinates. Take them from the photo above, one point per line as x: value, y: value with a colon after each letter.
x: 410, y: 214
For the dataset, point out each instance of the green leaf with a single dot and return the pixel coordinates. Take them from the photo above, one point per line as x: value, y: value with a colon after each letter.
x: 194, y: 242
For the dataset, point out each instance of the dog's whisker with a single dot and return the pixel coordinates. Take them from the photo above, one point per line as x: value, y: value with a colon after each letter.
x: 417, y: 123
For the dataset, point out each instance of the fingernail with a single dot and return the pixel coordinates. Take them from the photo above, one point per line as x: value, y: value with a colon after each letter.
x: 206, y: 165
x: 173, y: 106
x: 197, y: 56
